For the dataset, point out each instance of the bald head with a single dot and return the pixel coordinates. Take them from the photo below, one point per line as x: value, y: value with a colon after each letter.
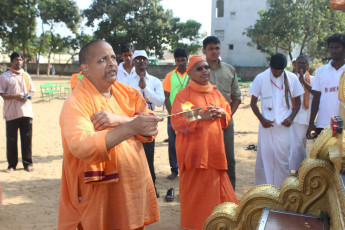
x: 86, y: 51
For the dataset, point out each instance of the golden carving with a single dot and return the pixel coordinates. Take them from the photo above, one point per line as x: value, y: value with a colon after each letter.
x: 303, y: 194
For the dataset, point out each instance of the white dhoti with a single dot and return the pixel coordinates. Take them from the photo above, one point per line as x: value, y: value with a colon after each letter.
x: 272, y: 161
x: 298, y: 145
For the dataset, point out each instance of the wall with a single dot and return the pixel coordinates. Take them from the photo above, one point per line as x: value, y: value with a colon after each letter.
x: 160, y: 71
x: 234, y: 26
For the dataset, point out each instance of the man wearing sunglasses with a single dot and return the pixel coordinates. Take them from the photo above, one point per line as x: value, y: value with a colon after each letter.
x: 224, y: 76
x: 152, y: 90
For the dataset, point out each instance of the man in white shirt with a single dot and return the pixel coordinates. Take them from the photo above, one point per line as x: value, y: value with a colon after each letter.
x: 300, y: 124
x: 126, y: 68
x: 152, y: 90
x: 279, y: 91
x: 325, y: 87
x: 17, y: 88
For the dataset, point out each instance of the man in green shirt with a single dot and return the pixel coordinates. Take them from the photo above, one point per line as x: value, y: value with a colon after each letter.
x: 224, y: 76
x: 172, y: 84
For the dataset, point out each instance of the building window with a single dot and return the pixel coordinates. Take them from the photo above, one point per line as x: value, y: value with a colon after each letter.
x: 233, y: 14
x: 220, y: 8
x: 219, y: 34
x: 231, y: 46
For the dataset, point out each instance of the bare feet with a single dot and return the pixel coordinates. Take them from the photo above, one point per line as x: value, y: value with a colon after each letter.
x: 29, y: 168
x: 9, y: 170
x: 172, y: 176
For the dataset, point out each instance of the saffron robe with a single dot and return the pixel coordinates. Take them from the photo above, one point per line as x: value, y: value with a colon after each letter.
x: 129, y: 203
x: 75, y: 78
x: 200, y: 151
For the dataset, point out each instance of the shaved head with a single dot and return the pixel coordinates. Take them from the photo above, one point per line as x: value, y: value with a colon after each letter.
x: 86, y: 52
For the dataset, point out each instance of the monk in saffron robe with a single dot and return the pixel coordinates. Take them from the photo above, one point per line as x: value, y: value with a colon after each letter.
x: 106, y: 182
x: 75, y: 78
x: 200, y: 150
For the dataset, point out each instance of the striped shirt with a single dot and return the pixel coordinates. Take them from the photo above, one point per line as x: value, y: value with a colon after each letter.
x: 11, y: 83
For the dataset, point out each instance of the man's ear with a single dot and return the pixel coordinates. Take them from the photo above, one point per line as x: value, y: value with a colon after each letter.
x: 203, y: 51
x: 85, y: 69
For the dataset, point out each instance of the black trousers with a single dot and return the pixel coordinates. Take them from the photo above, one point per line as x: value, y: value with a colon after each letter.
x: 24, y: 124
x: 150, y: 156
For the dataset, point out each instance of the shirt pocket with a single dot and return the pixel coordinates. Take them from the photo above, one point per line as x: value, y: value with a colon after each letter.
x: 267, y: 103
x: 224, y: 84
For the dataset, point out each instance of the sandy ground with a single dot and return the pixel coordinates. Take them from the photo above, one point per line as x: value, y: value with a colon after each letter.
x: 31, y: 199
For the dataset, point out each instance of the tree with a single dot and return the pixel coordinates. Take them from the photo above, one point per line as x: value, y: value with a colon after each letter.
x: 51, y: 13
x: 289, y: 24
x: 144, y: 23
x: 186, y: 35
x: 17, y: 25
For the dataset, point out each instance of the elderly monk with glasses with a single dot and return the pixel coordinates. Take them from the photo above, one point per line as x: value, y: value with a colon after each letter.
x: 200, y: 150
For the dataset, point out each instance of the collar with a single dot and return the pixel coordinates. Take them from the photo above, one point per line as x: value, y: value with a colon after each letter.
x: 17, y: 71
x: 218, y: 66
x: 182, y: 75
x: 275, y: 78
x: 329, y: 65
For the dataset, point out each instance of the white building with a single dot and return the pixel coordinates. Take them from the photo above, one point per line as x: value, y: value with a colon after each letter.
x: 229, y: 20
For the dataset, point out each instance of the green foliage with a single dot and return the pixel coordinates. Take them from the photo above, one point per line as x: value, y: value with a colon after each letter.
x: 17, y: 25
x: 288, y: 24
x: 186, y: 35
x: 56, y: 11
x: 144, y: 23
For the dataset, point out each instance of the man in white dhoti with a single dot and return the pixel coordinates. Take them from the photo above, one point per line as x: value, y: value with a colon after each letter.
x: 301, y: 122
x: 279, y: 91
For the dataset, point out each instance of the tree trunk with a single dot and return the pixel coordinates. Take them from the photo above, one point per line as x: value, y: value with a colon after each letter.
x: 39, y: 52
x: 25, y: 59
x: 48, y: 67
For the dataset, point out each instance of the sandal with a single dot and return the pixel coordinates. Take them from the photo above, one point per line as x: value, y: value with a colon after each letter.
x: 251, y: 147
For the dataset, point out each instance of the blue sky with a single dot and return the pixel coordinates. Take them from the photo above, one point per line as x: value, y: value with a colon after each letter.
x: 184, y: 9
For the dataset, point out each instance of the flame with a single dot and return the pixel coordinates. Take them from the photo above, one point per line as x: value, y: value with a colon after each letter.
x: 186, y: 106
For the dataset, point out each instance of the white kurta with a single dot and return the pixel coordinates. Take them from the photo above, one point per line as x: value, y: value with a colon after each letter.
x: 273, y: 151
x: 298, y: 134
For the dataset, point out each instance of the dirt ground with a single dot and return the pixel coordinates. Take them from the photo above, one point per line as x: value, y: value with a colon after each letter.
x: 31, y: 199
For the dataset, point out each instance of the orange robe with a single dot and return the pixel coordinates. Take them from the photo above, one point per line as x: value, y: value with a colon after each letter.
x: 74, y: 79
x: 201, y: 158
x: 130, y: 202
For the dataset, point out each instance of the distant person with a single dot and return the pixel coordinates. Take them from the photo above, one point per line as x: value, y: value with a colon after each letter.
x: 105, y: 182
x: 75, y: 78
x: 279, y: 91
x: 204, y: 182
x: 300, y: 123
x: 224, y: 77
x: 152, y: 90
x: 325, y: 87
x: 17, y: 89
x: 172, y: 84
x: 126, y: 68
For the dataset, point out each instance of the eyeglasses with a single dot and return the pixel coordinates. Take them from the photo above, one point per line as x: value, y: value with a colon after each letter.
x: 137, y: 60
x: 201, y: 68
